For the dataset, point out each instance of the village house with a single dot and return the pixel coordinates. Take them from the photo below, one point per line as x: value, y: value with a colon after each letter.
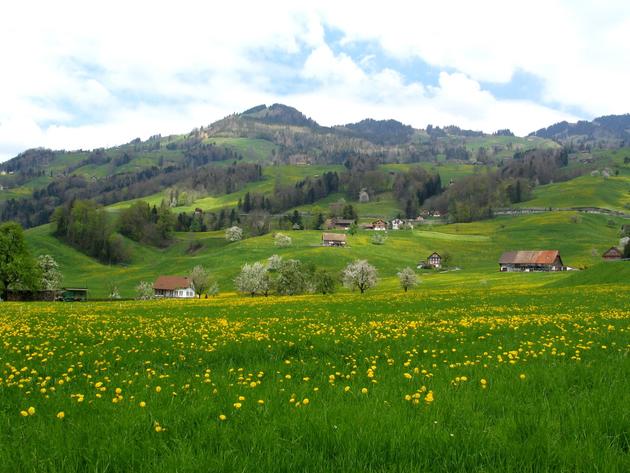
x: 435, y: 260
x: 379, y: 225
x: 339, y: 224
x: 397, y: 224
x: 612, y: 254
x: 528, y: 261
x: 178, y: 287
x: 333, y: 239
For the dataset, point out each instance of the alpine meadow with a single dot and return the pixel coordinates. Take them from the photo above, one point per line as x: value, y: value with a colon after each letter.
x: 276, y: 292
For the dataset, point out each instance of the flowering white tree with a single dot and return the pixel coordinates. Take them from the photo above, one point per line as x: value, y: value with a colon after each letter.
x: 144, y: 290
x: 234, y: 233
x: 407, y: 278
x: 359, y: 275
x: 274, y: 262
x: 281, y: 240
x: 203, y: 281
x: 253, y: 279
x: 51, y: 276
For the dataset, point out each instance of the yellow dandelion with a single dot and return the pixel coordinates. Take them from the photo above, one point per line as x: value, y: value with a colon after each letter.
x: 61, y: 415
x: 142, y: 404
x: 31, y: 411
x: 222, y: 417
x: 237, y: 405
x: 364, y: 390
x: 158, y: 389
x: 521, y: 376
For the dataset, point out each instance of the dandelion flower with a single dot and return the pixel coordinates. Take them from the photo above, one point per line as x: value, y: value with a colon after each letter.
x: 521, y: 376
x: 31, y: 411
x: 158, y: 389
x: 24, y: 413
x: 61, y: 415
x: 222, y: 417
x: 142, y: 404
x: 364, y: 390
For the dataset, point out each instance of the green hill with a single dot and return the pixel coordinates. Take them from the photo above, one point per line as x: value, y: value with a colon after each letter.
x: 474, y: 248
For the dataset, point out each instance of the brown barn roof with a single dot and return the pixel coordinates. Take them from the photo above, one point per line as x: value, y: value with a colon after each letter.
x: 613, y: 252
x: 529, y: 257
x: 334, y: 236
x: 170, y: 283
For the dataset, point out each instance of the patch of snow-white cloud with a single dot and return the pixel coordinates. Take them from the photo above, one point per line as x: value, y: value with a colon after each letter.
x: 81, y: 74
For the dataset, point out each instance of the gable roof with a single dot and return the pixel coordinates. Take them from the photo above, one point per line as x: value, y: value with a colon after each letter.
x: 334, y: 236
x: 529, y: 257
x: 612, y: 251
x: 170, y: 283
x: 435, y: 253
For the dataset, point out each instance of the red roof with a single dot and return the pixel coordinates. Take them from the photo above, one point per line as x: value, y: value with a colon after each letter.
x: 170, y: 283
x: 529, y: 257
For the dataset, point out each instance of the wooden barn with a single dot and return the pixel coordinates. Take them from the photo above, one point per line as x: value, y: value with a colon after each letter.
x: 529, y: 261
x: 612, y: 254
x: 333, y: 239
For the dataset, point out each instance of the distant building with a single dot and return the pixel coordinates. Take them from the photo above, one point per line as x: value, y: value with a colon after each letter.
x: 339, y: 224
x: 379, y: 225
x: 178, y: 287
x: 435, y: 260
x: 612, y: 254
x: 397, y: 224
x: 334, y: 239
x: 527, y: 261
x: 74, y: 294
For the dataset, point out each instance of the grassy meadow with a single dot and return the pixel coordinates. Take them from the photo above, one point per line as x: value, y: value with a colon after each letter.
x: 474, y: 249
x: 444, y: 380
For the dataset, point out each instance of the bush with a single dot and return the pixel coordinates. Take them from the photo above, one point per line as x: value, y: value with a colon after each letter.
x: 234, y: 233
x: 281, y: 240
x: 144, y: 291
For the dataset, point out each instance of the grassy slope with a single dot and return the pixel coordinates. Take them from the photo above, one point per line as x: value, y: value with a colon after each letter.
x: 474, y: 247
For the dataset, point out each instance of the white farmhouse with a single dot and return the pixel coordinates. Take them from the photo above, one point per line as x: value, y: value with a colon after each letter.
x: 178, y: 287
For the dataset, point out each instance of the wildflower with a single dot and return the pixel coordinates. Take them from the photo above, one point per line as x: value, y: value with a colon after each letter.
x: 31, y: 411
x: 142, y: 404
x: 253, y: 384
x: 222, y: 417
x: 346, y: 389
x: 261, y: 402
x: 61, y: 415
x: 158, y: 389
x: 364, y: 390
x: 483, y: 383
x: 522, y: 376
x: 407, y: 375
x: 118, y: 391
x: 24, y: 413
x: 429, y: 397
x: 305, y: 401
x: 237, y: 405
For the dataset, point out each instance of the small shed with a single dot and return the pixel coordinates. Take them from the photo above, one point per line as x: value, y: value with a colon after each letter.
x: 340, y: 223
x: 74, y: 294
x: 613, y: 253
x: 334, y: 239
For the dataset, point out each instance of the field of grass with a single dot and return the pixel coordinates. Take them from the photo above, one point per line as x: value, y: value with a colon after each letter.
x: 584, y: 191
x: 453, y: 380
x: 474, y: 248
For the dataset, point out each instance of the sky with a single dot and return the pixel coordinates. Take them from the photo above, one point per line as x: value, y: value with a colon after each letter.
x: 82, y: 75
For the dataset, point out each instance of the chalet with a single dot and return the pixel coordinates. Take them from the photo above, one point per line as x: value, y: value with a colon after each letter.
x: 435, y: 260
x: 612, y: 254
x: 340, y: 224
x: 178, y: 287
x: 379, y: 225
x: 527, y: 261
x: 397, y: 224
x: 334, y: 239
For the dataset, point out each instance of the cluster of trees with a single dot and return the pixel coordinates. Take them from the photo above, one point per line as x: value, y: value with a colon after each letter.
x: 85, y: 225
x: 149, y: 225
x: 19, y: 270
x: 413, y: 188
x: 213, y: 180
x: 291, y: 277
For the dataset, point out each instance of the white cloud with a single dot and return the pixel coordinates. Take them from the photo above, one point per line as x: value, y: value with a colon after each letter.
x: 80, y: 75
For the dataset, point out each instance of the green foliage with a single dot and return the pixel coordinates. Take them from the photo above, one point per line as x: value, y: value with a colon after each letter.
x: 203, y: 281
x: 18, y: 269
x: 325, y: 281
x: 407, y: 279
x: 378, y: 238
x: 51, y: 277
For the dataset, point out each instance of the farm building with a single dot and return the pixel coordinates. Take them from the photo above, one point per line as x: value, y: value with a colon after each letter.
x: 70, y: 294
x: 339, y: 224
x: 178, y: 287
x: 612, y: 254
x: 435, y: 260
x: 527, y: 261
x: 380, y: 225
x: 333, y: 239
x: 397, y: 224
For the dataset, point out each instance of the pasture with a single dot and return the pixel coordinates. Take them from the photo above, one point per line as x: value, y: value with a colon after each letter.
x: 444, y: 380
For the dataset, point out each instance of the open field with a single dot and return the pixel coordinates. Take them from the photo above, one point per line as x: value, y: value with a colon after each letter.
x: 519, y: 379
x: 474, y: 248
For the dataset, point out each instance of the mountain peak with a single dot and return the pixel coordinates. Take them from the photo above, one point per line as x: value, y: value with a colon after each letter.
x: 279, y: 114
